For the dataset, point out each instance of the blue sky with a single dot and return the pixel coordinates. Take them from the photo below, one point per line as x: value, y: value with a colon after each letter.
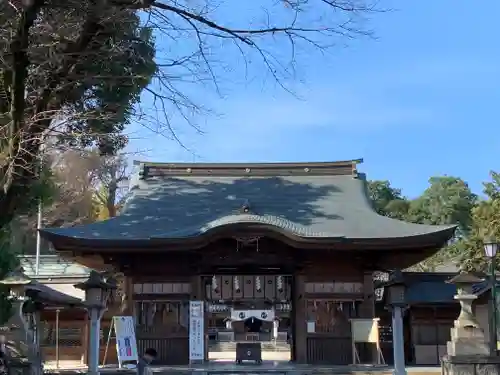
x: 422, y: 99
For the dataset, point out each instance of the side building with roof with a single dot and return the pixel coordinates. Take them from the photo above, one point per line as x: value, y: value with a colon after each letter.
x: 65, y: 327
x: 432, y: 310
x: 298, y: 239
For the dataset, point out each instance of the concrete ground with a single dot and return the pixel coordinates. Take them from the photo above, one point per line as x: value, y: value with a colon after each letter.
x: 213, y: 356
x: 223, y: 363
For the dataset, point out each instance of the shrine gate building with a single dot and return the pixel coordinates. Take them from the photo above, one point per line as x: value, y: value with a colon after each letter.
x: 298, y: 239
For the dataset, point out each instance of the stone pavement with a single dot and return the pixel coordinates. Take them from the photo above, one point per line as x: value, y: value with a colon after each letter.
x: 275, y: 363
x: 221, y: 367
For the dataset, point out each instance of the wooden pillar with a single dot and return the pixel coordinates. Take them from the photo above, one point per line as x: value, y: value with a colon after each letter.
x: 367, y: 307
x: 196, y: 288
x: 367, y: 311
x: 128, y: 296
x: 299, y: 309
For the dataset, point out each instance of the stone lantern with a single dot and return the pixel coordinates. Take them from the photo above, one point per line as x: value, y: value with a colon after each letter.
x: 467, y: 351
x: 21, y: 341
x: 97, y: 293
x: 16, y: 281
x: 467, y: 338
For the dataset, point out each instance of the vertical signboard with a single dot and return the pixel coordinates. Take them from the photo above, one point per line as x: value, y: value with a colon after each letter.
x: 126, y: 345
x: 196, y: 331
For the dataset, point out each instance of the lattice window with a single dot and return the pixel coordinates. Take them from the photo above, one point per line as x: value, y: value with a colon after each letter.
x: 68, y: 335
x: 162, y: 288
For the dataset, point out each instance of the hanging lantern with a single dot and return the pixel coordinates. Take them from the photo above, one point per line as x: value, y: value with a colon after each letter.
x: 236, y: 284
x: 258, y: 285
x: 279, y: 283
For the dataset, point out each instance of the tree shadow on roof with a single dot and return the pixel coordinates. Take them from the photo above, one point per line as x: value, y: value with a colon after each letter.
x: 180, y: 203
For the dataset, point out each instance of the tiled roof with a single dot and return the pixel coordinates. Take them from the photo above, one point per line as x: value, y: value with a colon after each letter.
x: 433, y: 288
x: 431, y: 292
x: 52, y: 266
x: 304, y: 202
x: 45, y: 293
x: 484, y: 287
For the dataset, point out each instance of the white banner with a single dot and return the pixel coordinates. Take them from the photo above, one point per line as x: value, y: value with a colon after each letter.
x: 126, y: 345
x: 266, y: 315
x: 196, y: 331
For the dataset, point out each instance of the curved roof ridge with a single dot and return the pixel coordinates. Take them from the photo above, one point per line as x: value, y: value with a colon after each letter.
x: 175, y: 165
x: 232, y: 219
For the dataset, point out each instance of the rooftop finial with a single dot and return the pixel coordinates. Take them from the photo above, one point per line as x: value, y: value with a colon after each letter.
x: 245, y: 208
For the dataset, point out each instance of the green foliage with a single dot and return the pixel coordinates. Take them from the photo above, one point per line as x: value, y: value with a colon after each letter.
x: 386, y: 200
x: 105, y: 99
x: 485, y: 224
x: 447, y: 201
x: 8, y: 261
x: 76, y: 71
x: 43, y: 189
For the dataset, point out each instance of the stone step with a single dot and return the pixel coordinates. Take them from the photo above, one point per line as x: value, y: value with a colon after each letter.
x: 230, y: 346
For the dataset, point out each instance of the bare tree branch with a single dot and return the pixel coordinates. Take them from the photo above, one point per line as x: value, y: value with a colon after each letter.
x: 46, y: 47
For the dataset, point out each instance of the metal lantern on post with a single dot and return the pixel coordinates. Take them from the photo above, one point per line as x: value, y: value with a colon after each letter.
x: 490, y: 250
x: 396, y: 297
x: 97, y: 292
x: 396, y: 293
x: 490, y: 247
x: 97, y: 289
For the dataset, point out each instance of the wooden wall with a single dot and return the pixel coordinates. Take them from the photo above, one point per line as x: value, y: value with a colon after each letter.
x: 426, y: 332
x: 161, y: 309
x: 328, y: 294
x: 325, y: 287
x: 429, y: 327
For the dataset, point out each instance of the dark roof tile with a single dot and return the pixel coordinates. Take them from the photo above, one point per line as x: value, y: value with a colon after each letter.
x: 308, y: 205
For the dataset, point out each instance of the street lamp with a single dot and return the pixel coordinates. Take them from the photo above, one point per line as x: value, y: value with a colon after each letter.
x: 490, y: 250
x: 97, y: 292
x: 396, y: 296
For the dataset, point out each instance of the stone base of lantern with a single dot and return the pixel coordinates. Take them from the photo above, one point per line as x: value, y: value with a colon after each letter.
x: 467, y: 341
x: 470, y: 365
